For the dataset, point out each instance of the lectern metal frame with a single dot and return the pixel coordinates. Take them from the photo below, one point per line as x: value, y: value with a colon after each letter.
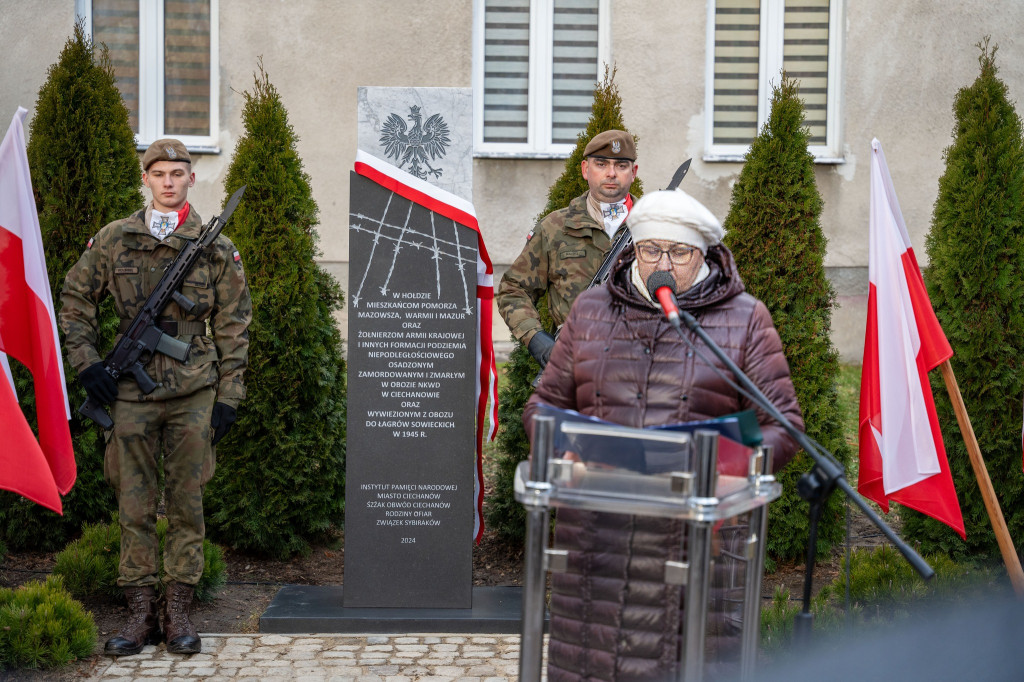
x: 698, y: 496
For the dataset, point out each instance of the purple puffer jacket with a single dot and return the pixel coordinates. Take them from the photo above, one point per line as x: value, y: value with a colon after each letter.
x: 617, y: 358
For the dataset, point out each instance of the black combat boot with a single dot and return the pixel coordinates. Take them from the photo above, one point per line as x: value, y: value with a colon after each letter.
x: 181, y: 634
x: 142, y: 627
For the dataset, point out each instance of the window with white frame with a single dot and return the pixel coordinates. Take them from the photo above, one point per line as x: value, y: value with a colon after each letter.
x: 164, y: 54
x: 750, y: 44
x: 535, y: 65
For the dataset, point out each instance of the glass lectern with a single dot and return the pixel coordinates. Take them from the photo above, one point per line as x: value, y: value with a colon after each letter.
x: 664, y: 473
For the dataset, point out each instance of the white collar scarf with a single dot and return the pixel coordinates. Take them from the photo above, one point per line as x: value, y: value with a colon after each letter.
x: 611, y: 216
x: 161, y: 224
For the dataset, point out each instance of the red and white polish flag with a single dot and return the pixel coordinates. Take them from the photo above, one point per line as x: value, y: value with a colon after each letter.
x: 28, y: 333
x: 902, y: 456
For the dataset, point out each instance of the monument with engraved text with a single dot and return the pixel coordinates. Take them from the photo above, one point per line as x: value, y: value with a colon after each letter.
x: 412, y: 352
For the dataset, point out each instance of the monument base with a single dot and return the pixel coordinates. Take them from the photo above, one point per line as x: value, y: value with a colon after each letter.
x: 318, y: 609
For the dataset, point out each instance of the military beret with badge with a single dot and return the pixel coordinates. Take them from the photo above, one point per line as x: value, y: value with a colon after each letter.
x: 611, y: 144
x: 167, y: 149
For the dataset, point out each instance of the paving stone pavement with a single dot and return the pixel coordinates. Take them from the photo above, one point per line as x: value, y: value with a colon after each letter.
x: 326, y: 658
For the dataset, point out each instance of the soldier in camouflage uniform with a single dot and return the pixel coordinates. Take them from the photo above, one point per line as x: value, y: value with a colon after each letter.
x: 193, y: 405
x: 566, y: 248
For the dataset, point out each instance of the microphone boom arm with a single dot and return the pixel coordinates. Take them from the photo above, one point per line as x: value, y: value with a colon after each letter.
x: 814, y: 486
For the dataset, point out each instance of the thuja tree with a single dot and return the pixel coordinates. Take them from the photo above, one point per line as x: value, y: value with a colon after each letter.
x: 85, y: 173
x: 774, y: 231
x: 503, y: 513
x: 281, y: 470
x: 975, y: 279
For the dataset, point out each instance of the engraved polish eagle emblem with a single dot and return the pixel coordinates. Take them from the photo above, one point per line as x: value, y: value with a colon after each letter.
x: 429, y: 139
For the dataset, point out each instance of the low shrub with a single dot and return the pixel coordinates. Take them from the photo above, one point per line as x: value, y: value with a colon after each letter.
x: 88, y: 565
x: 883, y: 578
x: 777, y: 620
x: 42, y: 626
x: 884, y: 591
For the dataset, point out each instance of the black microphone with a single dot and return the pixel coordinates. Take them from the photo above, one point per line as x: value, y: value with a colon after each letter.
x: 662, y: 285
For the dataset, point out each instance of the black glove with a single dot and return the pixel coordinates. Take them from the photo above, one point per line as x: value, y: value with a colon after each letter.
x: 100, y: 386
x: 223, y: 418
x: 540, y: 347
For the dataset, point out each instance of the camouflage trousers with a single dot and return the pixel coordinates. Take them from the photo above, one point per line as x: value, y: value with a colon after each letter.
x: 180, y: 430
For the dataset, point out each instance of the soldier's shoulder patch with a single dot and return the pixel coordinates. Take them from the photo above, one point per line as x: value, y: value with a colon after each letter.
x: 92, y: 240
x: 237, y: 258
x: 529, y: 236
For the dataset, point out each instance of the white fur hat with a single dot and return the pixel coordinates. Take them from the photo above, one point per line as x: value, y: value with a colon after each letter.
x: 676, y: 216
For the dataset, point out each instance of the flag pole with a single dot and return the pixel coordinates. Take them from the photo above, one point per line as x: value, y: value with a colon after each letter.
x: 995, y: 514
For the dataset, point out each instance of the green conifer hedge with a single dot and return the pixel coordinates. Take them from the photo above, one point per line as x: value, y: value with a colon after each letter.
x: 774, y: 231
x: 975, y: 279
x: 280, y: 479
x: 503, y: 514
x: 85, y: 174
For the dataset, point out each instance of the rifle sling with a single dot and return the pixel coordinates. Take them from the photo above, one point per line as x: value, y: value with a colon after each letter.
x: 172, y: 327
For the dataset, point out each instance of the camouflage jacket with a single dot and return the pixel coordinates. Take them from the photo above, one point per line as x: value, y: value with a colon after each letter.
x: 561, y: 257
x: 125, y: 261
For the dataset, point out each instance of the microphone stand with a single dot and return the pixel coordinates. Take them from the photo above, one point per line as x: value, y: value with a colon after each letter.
x: 815, y: 486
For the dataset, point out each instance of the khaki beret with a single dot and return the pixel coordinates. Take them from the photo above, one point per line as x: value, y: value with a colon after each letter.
x: 167, y: 149
x: 612, y: 144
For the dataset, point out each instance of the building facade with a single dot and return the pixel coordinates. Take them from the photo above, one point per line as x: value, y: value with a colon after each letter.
x: 695, y: 79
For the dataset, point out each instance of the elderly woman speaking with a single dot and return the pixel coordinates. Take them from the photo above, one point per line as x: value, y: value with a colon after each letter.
x: 618, y: 358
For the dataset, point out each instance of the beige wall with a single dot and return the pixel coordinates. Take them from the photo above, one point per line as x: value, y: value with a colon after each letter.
x: 32, y: 35
x: 317, y: 54
x: 902, y: 65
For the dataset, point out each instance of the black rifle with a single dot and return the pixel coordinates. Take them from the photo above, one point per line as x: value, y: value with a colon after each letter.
x: 143, y: 337
x: 621, y: 243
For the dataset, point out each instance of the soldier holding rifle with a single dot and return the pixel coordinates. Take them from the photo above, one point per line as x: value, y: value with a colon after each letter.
x: 184, y: 393
x: 566, y: 248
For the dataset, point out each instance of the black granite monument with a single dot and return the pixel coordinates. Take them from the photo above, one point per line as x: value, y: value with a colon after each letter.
x: 411, y: 409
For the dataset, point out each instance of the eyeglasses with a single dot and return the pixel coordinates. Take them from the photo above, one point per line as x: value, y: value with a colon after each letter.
x: 678, y: 255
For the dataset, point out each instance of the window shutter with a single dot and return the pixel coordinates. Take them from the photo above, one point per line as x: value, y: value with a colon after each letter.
x: 187, y: 67
x: 115, y: 23
x: 737, y: 36
x: 805, y: 58
x: 506, y: 70
x: 574, y: 67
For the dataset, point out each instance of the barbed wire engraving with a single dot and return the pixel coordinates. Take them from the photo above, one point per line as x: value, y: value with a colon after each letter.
x: 404, y: 236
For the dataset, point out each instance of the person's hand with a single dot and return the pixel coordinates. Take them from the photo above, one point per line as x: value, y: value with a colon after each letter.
x: 223, y: 418
x: 99, y: 385
x: 540, y: 347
